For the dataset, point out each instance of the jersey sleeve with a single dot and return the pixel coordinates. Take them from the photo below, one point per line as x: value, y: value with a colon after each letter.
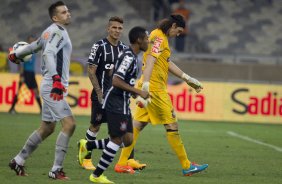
x: 30, y: 49
x: 124, y: 66
x: 95, y: 54
x: 156, y: 46
x: 54, y: 43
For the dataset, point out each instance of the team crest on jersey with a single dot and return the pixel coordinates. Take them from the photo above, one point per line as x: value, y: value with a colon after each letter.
x: 156, y: 45
x: 123, y: 126
x: 46, y: 35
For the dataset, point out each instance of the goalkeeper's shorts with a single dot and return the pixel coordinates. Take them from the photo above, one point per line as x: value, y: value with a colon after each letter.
x: 52, y: 110
x: 158, y: 111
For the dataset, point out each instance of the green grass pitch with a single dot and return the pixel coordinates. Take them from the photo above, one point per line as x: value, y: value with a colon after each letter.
x: 231, y: 159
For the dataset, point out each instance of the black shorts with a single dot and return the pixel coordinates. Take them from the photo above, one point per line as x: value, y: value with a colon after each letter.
x: 29, y: 79
x: 98, y: 115
x: 119, y: 124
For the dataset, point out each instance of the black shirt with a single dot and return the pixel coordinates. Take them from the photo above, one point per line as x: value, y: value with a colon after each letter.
x: 104, y: 55
x: 126, y: 68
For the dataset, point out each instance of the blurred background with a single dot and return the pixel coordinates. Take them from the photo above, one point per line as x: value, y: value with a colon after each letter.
x: 226, y: 40
x: 234, y: 47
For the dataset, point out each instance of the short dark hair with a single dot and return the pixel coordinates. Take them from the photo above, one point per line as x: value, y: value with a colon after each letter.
x: 116, y: 19
x: 165, y: 24
x: 52, y: 8
x: 135, y: 33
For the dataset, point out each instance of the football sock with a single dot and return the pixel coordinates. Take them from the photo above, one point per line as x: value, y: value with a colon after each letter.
x: 90, y: 136
x: 107, y: 157
x: 31, y: 144
x: 61, y: 150
x: 125, y: 152
x: 176, y: 143
x: 97, y: 144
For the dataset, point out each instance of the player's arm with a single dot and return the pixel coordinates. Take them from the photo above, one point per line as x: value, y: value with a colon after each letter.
x: 53, y: 45
x: 120, y: 83
x: 16, y: 56
x: 150, y: 61
x: 120, y: 74
x: 155, y: 50
x: 194, y: 83
x: 93, y: 62
x: 94, y: 81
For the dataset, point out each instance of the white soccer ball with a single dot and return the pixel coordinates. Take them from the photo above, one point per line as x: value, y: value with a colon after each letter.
x: 20, y: 46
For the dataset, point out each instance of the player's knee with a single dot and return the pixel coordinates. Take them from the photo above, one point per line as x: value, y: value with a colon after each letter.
x: 127, y: 139
x: 138, y: 125
x: 69, y: 127
x: 45, y: 131
x: 171, y: 127
x: 128, y: 142
x: 72, y: 127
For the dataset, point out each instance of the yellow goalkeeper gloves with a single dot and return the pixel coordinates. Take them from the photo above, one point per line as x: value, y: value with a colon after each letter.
x: 141, y: 102
x: 194, y: 83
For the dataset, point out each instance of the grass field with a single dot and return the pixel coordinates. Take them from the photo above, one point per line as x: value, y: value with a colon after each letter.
x: 232, y: 157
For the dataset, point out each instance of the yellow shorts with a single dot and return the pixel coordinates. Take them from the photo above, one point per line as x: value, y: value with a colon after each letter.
x: 159, y: 111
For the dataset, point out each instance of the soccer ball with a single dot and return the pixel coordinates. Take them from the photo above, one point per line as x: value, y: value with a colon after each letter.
x: 20, y: 46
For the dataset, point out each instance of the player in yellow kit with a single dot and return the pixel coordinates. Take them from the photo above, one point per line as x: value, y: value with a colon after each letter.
x: 156, y: 66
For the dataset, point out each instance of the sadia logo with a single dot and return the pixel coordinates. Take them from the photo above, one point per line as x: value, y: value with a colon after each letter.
x: 269, y: 105
x: 187, y: 101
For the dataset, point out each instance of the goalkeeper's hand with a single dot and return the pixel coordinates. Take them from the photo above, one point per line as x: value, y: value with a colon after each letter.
x: 194, y: 83
x: 146, y: 86
x: 13, y: 58
x: 58, y: 88
x: 143, y: 99
x: 141, y: 102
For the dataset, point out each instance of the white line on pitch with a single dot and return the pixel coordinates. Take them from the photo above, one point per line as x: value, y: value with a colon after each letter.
x: 254, y: 141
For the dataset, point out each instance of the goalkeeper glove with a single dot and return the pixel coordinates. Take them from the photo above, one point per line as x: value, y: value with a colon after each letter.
x: 145, y: 86
x: 13, y: 58
x: 58, y: 88
x: 194, y: 83
x: 141, y: 102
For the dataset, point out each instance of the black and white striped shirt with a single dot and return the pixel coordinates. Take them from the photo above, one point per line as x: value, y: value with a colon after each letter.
x: 118, y: 100
x: 104, y: 55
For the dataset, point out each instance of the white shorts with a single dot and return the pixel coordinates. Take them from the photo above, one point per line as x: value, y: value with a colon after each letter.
x: 52, y: 110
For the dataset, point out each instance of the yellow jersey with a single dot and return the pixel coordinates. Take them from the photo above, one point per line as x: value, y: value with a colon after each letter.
x: 158, y: 48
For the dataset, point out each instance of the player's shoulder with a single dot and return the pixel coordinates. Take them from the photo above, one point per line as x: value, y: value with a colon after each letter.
x: 128, y: 51
x: 100, y: 42
x: 128, y: 54
x: 157, y: 34
x: 120, y: 43
x: 54, y: 28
